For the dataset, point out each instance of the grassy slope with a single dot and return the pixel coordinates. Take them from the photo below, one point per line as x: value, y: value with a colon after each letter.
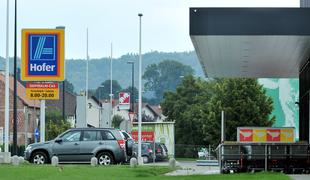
x: 84, y: 172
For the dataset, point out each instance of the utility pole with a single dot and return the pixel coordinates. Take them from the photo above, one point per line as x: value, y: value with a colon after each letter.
x: 14, y: 152
x: 63, y: 88
x: 132, y: 102
x: 140, y: 161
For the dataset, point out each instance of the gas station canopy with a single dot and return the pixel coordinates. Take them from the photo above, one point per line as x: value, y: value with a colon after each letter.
x: 251, y: 42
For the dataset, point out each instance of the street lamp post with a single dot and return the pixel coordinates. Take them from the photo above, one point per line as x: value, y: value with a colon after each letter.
x: 63, y: 88
x: 132, y: 109
x: 14, y: 152
x: 100, y: 106
x: 140, y: 95
x: 99, y: 97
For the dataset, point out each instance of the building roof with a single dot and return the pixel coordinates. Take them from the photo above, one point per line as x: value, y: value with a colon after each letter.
x: 251, y: 42
x: 21, y: 92
x: 155, y: 109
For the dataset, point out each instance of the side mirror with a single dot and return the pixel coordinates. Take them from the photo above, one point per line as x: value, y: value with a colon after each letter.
x: 58, y: 140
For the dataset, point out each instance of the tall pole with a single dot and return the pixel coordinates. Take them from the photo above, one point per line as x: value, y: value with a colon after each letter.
x: 7, y: 83
x: 100, y: 106
x: 63, y: 100
x: 111, y: 82
x: 42, y: 120
x: 132, y: 88
x: 132, y: 102
x: 140, y: 95
x: 14, y: 152
x: 63, y: 89
x: 222, y: 127
x: 86, y: 88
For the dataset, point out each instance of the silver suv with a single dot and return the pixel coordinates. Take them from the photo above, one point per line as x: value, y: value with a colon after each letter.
x: 80, y: 145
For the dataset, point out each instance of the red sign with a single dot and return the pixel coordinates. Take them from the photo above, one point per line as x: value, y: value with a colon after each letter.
x: 124, y: 98
x: 41, y: 85
x: 273, y: 134
x: 146, y: 136
x: 246, y: 134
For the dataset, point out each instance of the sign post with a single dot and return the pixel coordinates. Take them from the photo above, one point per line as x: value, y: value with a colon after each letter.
x: 42, y: 60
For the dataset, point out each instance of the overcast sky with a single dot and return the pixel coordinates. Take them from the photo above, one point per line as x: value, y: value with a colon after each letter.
x: 165, y: 23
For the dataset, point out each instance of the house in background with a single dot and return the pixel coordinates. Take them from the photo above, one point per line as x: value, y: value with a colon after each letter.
x: 94, y: 112
x: 28, y: 112
x: 149, y: 113
x: 68, y: 108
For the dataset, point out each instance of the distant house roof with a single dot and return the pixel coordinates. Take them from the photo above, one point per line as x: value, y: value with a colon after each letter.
x: 157, y: 109
x: 21, y: 92
x: 96, y: 100
x: 154, y: 109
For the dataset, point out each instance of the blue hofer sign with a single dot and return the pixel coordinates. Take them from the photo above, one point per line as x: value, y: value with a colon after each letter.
x: 42, y: 55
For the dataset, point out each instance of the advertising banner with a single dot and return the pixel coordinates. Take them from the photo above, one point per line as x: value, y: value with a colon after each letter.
x: 42, y: 91
x: 266, y: 134
x: 145, y: 136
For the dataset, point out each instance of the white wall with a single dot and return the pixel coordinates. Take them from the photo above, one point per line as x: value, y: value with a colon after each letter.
x: 93, y: 113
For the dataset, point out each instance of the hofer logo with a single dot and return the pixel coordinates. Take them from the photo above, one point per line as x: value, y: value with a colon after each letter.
x: 43, y: 47
x: 42, y: 55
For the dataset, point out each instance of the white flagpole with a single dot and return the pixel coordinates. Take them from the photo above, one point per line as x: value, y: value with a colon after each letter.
x: 86, y: 88
x: 140, y: 161
x: 7, y: 85
x: 111, y: 87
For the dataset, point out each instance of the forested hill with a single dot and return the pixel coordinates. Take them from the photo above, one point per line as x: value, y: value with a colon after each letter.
x: 99, y: 69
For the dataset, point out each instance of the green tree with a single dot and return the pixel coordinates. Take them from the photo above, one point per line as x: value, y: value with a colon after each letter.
x: 116, y: 121
x: 185, y: 107
x: 165, y: 76
x: 104, y: 89
x: 244, y: 103
x: 197, y: 104
x: 54, y: 123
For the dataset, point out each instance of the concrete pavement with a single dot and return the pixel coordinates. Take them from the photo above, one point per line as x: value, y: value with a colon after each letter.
x: 300, y: 176
x: 189, y: 168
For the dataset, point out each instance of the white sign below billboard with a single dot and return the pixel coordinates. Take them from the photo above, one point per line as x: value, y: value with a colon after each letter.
x: 124, y: 101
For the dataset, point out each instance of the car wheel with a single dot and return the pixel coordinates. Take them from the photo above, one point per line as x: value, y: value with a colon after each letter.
x: 39, y: 157
x: 105, y: 159
x: 145, y: 159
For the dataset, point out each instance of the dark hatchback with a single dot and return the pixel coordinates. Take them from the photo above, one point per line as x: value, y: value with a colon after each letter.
x: 147, y: 151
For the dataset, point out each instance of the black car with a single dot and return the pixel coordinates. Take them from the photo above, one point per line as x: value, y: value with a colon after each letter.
x: 147, y: 151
